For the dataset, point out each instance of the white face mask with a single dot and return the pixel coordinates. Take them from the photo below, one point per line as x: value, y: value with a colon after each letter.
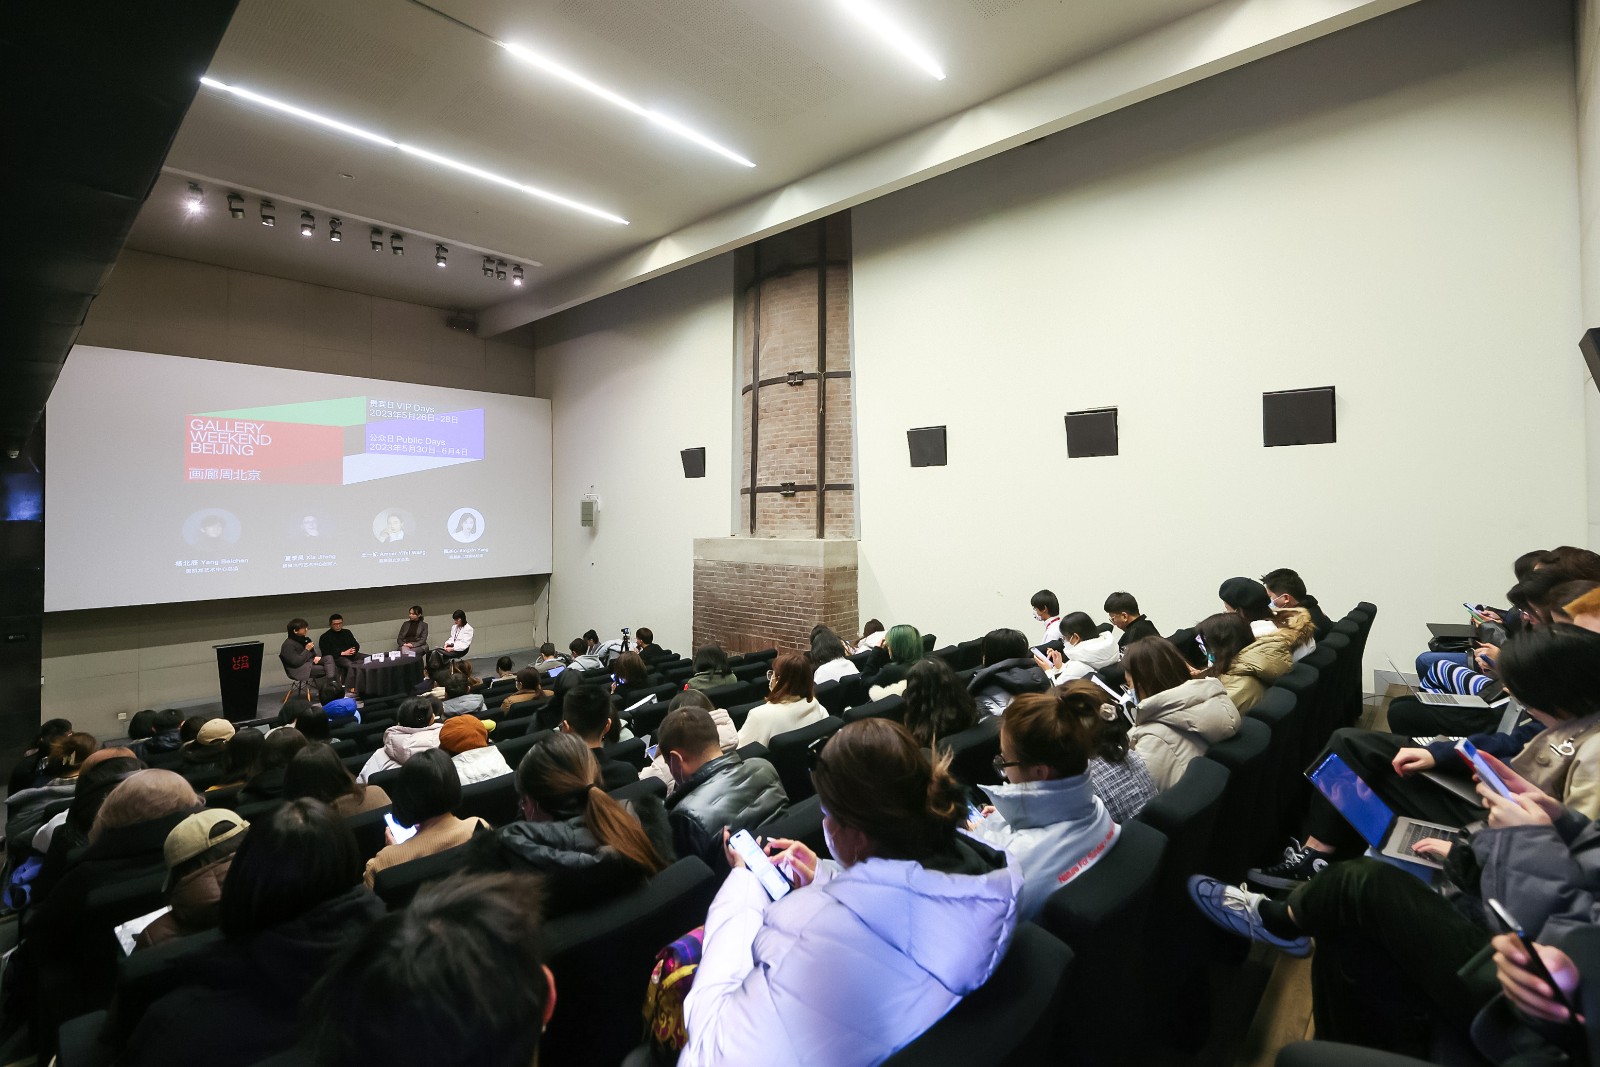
x: 827, y: 839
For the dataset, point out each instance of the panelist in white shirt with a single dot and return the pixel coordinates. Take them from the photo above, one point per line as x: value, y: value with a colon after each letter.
x: 460, y: 635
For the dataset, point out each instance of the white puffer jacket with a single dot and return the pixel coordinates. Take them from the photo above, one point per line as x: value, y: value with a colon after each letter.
x: 1175, y: 725
x: 845, y: 971
x: 1054, y: 829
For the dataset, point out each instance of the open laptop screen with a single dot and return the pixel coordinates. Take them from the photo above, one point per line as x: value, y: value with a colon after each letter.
x: 1354, y: 799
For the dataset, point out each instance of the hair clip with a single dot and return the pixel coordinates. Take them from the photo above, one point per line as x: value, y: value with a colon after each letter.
x: 1108, y: 712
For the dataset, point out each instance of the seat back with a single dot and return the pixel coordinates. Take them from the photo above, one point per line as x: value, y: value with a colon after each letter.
x: 1009, y: 1019
x: 644, y: 787
x: 892, y: 706
x: 494, y: 800
x: 1102, y: 915
x: 972, y: 752
x: 1328, y: 698
x: 1238, y: 834
x: 1303, y: 682
x: 396, y: 885
x: 601, y: 959
x: 629, y: 751
x: 726, y: 696
x: 742, y: 712
x: 801, y: 821
x: 790, y: 753
x: 514, y: 748
x: 147, y: 976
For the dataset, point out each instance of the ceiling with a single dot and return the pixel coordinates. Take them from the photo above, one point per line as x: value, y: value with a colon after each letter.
x: 795, y: 87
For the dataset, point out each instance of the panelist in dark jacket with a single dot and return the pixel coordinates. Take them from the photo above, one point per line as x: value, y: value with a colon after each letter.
x: 339, y: 649
x: 299, y: 657
x: 712, y: 790
x: 413, y: 632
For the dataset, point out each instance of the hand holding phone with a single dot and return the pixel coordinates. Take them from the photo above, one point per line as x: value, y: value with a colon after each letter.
x: 1481, y: 768
x: 398, y: 834
x: 771, y: 879
x: 1535, y: 963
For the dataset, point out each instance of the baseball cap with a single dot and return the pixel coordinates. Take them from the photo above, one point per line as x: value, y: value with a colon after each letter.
x: 215, y: 732
x: 199, y: 832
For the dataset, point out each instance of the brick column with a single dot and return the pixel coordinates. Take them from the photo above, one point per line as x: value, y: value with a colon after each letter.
x: 796, y: 477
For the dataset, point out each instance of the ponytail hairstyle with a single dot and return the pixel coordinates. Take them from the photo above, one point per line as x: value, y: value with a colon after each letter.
x: 67, y: 752
x: 1044, y: 731
x: 1225, y: 635
x: 873, y: 776
x: 1104, y: 724
x: 561, y: 776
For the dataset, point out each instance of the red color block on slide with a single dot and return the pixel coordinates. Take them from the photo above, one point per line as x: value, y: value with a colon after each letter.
x: 281, y: 453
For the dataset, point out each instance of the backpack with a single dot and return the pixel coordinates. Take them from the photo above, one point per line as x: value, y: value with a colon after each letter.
x: 670, y: 982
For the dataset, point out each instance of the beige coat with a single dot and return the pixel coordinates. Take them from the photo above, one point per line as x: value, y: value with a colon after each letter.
x: 1266, y: 659
x: 1178, y: 724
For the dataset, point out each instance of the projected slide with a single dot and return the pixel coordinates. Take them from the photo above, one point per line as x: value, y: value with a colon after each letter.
x: 228, y: 480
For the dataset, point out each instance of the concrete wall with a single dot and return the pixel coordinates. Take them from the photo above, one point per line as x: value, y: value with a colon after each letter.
x: 105, y: 663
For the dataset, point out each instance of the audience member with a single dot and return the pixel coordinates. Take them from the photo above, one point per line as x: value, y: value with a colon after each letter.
x: 475, y: 936
x: 1047, y: 609
x: 587, y: 713
x: 873, y: 635
x: 645, y: 645
x: 1046, y: 814
x: 583, y: 657
x: 936, y: 703
x: 460, y: 635
x: 465, y: 739
x: 140, y: 727
x: 828, y: 658
x: 340, y: 650
x: 416, y: 729
x: 904, y: 644
x: 549, y: 662
x: 317, y: 773
x: 1288, y: 590
x: 198, y: 852
x: 1084, y: 650
x: 336, y: 704
x: 312, y: 722
x: 164, y: 747
x: 28, y: 810
x: 1244, y: 663
x: 292, y: 899
x: 629, y: 679
x: 242, y: 757
x: 413, y: 633
x: 210, y: 745
x: 1178, y: 717
x: 435, y: 670
x: 791, y: 701
x: 1008, y: 670
x: 29, y: 769
x: 877, y: 944
x: 1122, y: 610
x: 587, y: 846
x: 504, y: 669
x: 465, y: 669
x: 530, y: 686
x: 710, y: 669
x: 68, y: 831
x: 300, y: 659
x: 66, y: 966
x: 426, y: 793
x: 267, y: 783
x: 1118, y: 772
x: 288, y: 713
x: 727, y: 734
x: 714, y: 790
x: 459, y: 700
x: 1250, y: 599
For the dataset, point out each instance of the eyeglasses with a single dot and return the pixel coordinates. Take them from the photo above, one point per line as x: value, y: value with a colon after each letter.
x: 1001, y: 763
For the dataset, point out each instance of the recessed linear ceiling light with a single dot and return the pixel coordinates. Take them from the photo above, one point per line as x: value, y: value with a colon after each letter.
x: 891, y: 33
x: 412, y: 150
x: 572, y: 77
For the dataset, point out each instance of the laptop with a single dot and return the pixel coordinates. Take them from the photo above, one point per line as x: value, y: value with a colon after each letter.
x: 1389, y: 834
x: 1440, y: 700
x: 1452, y: 629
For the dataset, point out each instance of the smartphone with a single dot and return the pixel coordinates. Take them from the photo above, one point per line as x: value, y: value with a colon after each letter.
x: 1042, y: 653
x: 771, y: 879
x: 651, y: 752
x: 1535, y: 964
x: 974, y: 814
x: 1480, y: 766
x: 401, y: 834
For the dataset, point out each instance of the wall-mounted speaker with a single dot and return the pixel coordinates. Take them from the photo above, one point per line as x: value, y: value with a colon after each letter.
x: 1091, y: 433
x: 694, y: 462
x: 927, y: 446
x: 1589, y: 345
x: 1298, y: 417
x: 589, y: 511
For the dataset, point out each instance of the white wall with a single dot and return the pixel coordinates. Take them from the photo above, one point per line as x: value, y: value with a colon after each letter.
x: 105, y: 663
x: 1588, y: 90
x: 1392, y: 211
x: 633, y: 378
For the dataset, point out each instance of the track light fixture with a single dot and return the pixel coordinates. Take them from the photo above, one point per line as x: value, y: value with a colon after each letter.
x: 488, y: 267
x: 196, y: 201
x: 516, y: 275
x: 439, y: 254
x: 499, y: 270
x: 376, y: 237
x: 235, y: 205
x: 334, y: 233
x: 269, y: 217
x: 395, y: 245
x: 308, y: 224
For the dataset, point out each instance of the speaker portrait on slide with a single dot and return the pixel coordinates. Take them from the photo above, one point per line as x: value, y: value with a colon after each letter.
x: 465, y: 525
x: 392, y: 526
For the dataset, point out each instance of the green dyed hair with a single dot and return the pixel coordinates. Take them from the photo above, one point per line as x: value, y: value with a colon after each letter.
x: 905, y: 644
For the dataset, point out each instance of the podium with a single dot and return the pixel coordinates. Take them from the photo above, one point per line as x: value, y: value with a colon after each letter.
x: 239, y: 678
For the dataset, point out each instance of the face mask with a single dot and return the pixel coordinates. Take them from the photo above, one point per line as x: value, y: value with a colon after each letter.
x: 827, y: 839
